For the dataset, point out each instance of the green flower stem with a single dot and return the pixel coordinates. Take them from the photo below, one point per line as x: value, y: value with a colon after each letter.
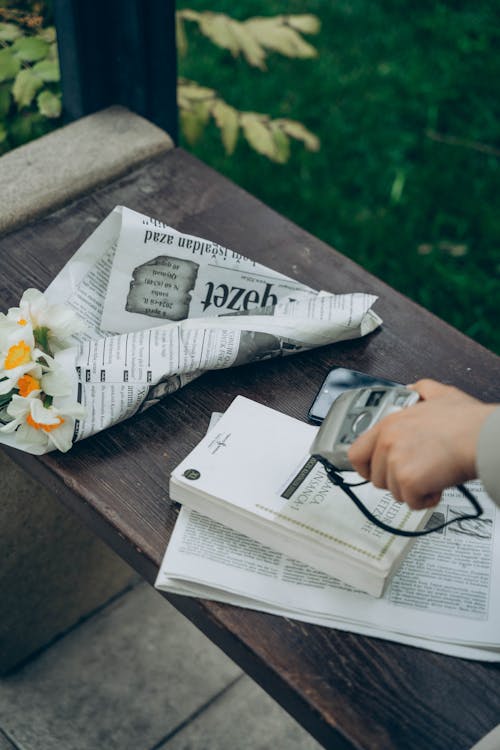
x: 41, y: 335
x: 6, y: 398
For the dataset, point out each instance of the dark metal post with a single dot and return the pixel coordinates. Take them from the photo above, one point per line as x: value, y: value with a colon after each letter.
x: 118, y: 52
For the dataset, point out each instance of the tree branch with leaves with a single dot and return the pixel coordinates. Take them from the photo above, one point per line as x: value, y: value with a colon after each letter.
x: 252, y: 39
x: 30, y: 91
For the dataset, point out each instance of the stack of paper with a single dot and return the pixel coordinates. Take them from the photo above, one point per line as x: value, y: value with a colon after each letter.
x: 254, y: 473
x: 438, y: 599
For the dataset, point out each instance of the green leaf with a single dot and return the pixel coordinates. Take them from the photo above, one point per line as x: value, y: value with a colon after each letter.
x: 9, y: 65
x: 30, y: 48
x: 3, y: 134
x: 272, y: 34
x: 202, y: 110
x: 193, y: 92
x: 191, y: 126
x: 306, y: 23
x: 189, y: 15
x: 282, y: 145
x: 219, y: 28
x: 49, y: 104
x: 226, y: 118
x: 9, y: 32
x: 398, y: 186
x: 48, y: 71
x: 180, y: 36
x: 21, y: 128
x: 258, y: 134
x: 53, y: 53
x: 5, y: 100
x: 298, y: 131
x: 249, y: 45
x: 41, y: 336
x: 48, y: 34
x: 25, y: 87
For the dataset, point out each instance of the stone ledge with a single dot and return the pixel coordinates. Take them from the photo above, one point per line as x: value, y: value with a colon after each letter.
x: 50, y: 172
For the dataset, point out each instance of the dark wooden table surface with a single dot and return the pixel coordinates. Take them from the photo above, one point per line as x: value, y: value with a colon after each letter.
x: 348, y: 691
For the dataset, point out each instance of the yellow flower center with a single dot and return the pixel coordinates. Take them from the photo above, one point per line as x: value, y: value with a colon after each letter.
x: 18, y: 354
x: 21, y: 322
x: 42, y: 426
x: 26, y: 384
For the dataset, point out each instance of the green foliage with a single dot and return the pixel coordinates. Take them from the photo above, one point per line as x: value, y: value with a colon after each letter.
x: 271, y: 138
x: 253, y: 39
x: 405, y: 102
x: 30, y: 98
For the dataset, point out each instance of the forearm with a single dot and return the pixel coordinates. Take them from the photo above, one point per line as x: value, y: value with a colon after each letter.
x: 488, y: 455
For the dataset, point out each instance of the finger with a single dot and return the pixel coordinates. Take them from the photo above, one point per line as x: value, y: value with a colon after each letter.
x: 360, y: 452
x: 430, y: 500
x: 418, y: 499
x: 378, y: 467
x: 429, y: 389
x: 393, y: 483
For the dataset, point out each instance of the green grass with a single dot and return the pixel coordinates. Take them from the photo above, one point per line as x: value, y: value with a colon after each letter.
x: 381, y: 190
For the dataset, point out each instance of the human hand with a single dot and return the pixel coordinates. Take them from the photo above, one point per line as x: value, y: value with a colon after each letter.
x: 417, y: 452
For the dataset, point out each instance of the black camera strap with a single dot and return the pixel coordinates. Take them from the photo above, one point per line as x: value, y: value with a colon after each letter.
x: 336, y: 478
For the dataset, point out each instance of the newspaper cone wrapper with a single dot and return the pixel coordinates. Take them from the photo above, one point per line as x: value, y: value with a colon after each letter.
x: 162, y: 307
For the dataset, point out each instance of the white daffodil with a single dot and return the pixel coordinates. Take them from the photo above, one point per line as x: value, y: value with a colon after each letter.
x: 39, y: 426
x: 55, y: 380
x: 18, y: 410
x: 18, y: 356
x: 8, y: 329
x: 53, y: 322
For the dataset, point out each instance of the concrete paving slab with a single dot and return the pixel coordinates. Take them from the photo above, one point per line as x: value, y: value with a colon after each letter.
x: 246, y: 718
x: 5, y: 743
x: 123, y: 680
x: 54, y: 571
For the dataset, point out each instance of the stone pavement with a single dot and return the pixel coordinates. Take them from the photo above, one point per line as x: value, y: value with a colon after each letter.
x: 137, y: 675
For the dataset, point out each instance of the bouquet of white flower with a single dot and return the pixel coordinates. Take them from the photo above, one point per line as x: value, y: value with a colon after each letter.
x: 147, y: 310
x: 35, y: 385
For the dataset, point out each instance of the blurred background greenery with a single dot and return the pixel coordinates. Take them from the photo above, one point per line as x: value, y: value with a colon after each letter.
x: 393, y: 81
x: 404, y: 98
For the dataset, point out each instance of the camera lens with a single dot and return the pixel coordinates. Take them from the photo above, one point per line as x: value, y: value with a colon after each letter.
x: 362, y: 422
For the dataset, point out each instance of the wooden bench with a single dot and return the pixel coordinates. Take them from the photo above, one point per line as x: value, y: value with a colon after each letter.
x: 350, y: 692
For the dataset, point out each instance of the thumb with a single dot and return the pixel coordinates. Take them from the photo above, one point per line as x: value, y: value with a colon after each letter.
x: 429, y: 389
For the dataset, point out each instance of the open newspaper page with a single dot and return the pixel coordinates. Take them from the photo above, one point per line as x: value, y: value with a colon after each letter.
x: 162, y: 307
x: 441, y: 598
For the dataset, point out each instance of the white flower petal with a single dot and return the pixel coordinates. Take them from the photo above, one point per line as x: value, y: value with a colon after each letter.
x: 60, y: 320
x: 44, y: 414
x: 33, y: 306
x: 27, y: 436
x: 55, y: 382
x: 62, y: 437
x: 17, y: 333
x: 12, y: 376
x: 10, y: 426
x: 75, y: 410
x: 6, y: 385
x: 20, y: 406
x: 7, y: 328
x: 32, y: 297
